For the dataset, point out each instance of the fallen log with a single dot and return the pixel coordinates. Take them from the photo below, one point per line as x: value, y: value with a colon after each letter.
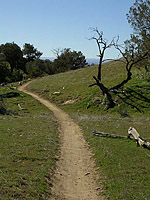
x: 132, y: 134
x: 101, y: 134
x: 21, y: 107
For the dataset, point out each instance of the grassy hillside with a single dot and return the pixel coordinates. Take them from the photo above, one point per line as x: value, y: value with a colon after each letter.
x: 28, y: 148
x: 73, y: 85
x: 125, y: 167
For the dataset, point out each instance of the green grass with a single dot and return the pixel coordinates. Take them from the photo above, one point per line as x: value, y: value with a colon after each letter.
x: 125, y: 167
x: 28, y: 149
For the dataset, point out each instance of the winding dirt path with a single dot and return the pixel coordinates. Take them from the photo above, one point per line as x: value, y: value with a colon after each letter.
x: 75, y: 178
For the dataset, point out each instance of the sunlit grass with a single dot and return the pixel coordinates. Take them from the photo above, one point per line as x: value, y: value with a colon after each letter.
x: 125, y: 167
x: 28, y: 149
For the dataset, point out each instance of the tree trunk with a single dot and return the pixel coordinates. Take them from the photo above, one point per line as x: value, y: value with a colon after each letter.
x: 101, y: 134
x: 100, y: 68
x: 105, y: 90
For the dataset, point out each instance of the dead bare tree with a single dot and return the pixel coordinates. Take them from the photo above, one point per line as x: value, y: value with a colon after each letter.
x: 57, y: 52
x: 103, y: 45
x: 130, y: 56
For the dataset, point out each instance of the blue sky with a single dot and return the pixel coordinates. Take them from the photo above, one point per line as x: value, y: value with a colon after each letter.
x: 52, y: 24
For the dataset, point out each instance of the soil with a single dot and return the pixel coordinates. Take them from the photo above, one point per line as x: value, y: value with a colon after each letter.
x: 75, y: 175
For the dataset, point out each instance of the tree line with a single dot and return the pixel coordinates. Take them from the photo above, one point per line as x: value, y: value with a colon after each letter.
x: 17, y: 64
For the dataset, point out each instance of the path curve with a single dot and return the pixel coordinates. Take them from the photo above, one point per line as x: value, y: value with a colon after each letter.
x: 75, y: 178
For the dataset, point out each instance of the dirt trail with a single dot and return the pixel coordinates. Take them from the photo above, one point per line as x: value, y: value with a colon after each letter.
x: 75, y: 178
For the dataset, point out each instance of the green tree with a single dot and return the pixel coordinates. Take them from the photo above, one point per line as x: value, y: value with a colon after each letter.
x: 48, y: 67
x: 4, y: 71
x: 35, y: 68
x: 13, y: 55
x: 139, y: 18
x: 68, y: 60
x: 30, y: 52
x: 78, y: 60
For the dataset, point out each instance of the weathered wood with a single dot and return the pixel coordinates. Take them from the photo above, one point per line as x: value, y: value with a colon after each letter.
x: 101, y: 134
x: 56, y: 93
x: 132, y: 134
x: 21, y: 107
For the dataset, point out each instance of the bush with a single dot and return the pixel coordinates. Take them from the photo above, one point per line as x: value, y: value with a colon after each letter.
x: 4, y: 71
x: 17, y: 75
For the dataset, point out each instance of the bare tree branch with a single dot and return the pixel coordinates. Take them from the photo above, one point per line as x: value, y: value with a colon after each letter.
x: 57, y: 52
x: 130, y: 56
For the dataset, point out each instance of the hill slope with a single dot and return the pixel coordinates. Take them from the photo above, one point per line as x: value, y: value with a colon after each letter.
x: 73, y: 85
x: 122, y: 179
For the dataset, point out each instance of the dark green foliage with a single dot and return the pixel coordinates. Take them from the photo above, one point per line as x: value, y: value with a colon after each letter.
x: 69, y: 60
x: 12, y: 63
x: 139, y: 15
x: 17, y: 75
x: 13, y: 55
x: 139, y: 18
x: 48, y: 67
x: 34, y: 69
x: 38, y: 68
x: 15, y: 67
x: 78, y: 60
x: 30, y: 52
x: 4, y: 71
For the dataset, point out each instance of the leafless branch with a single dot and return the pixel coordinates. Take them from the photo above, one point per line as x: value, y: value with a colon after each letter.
x: 57, y: 52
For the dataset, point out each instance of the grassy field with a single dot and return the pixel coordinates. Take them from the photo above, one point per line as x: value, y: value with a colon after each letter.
x: 28, y: 149
x: 125, y: 167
